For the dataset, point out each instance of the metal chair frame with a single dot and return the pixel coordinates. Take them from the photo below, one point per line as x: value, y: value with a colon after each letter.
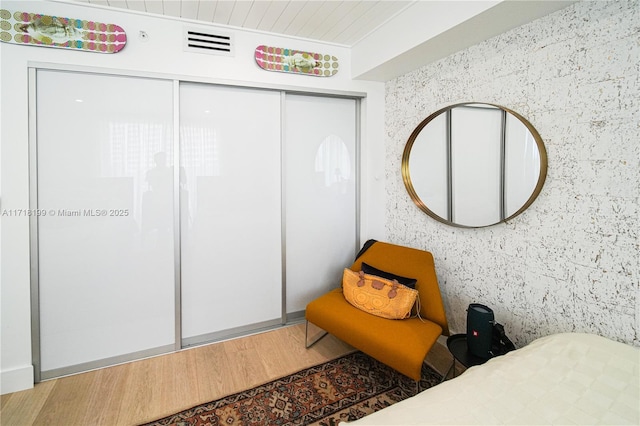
x: 306, y: 336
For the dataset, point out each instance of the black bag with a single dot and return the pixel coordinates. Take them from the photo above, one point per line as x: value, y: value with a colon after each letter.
x: 500, y: 343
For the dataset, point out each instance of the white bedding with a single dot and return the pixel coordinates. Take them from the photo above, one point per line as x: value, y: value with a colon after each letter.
x: 560, y: 379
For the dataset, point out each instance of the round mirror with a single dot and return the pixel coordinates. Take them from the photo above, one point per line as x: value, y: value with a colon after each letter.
x: 474, y: 165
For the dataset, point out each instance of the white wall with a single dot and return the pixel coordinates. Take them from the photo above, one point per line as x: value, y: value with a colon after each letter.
x: 162, y: 53
x: 418, y: 23
x: 571, y: 261
x: 427, y: 31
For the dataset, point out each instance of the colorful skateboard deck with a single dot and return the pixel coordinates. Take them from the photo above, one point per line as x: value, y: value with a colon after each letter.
x: 34, y: 29
x: 280, y: 59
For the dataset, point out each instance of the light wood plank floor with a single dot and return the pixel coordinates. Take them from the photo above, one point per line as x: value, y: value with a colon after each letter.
x: 149, y: 389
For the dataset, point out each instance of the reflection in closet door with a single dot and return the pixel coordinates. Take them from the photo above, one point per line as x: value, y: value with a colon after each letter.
x: 105, y: 245
x: 230, y: 221
x: 428, y: 165
x: 522, y: 165
x: 476, y: 146
x: 320, y: 195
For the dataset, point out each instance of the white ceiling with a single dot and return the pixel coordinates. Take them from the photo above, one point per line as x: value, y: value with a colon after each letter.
x: 334, y: 21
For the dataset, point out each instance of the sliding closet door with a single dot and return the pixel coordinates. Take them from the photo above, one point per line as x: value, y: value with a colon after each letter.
x: 320, y: 182
x: 231, y: 210
x: 105, y: 233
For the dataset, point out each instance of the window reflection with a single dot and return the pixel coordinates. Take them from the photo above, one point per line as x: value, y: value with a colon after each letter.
x: 199, y: 158
x: 334, y: 163
x: 130, y: 151
x: 143, y: 152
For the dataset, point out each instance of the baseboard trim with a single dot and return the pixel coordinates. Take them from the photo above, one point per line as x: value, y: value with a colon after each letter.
x: 230, y: 333
x: 105, y: 362
x: 17, y: 379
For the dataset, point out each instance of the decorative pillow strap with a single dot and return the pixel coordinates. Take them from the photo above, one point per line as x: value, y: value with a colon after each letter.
x: 361, y: 280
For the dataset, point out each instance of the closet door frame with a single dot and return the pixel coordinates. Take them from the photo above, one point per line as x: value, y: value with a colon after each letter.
x: 34, y: 236
x: 33, y: 67
x: 294, y: 316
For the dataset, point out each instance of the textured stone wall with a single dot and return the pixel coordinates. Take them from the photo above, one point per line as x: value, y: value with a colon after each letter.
x: 571, y: 262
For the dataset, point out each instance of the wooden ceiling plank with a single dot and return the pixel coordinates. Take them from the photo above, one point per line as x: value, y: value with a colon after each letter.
x: 319, y: 19
x: 99, y: 2
x: 368, y: 21
x: 304, y: 16
x: 137, y: 5
x: 239, y: 13
x: 338, y: 21
x: 346, y: 20
x: 207, y: 10
x: 272, y: 14
x: 120, y: 4
x: 290, y: 13
x: 344, y: 8
x: 154, y: 6
x: 255, y: 14
x: 223, y: 11
x: 189, y: 9
x: 171, y: 7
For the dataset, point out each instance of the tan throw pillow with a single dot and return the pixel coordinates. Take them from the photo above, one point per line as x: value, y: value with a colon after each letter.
x: 378, y: 296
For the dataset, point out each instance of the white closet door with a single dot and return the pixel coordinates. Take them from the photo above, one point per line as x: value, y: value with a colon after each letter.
x: 231, y: 210
x: 320, y: 181
x: 106, y: 252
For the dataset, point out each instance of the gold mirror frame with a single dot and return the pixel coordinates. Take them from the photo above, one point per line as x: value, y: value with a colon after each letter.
x: 406, y: 176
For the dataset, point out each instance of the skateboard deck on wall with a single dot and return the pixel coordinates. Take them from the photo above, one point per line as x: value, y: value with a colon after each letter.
x: 34, y: 29
x: 280, y: 59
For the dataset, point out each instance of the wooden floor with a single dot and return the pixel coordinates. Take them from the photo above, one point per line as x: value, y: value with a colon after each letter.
x: 149, y: 389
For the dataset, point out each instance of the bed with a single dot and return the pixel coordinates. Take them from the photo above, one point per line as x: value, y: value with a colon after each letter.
x: 564, y: 379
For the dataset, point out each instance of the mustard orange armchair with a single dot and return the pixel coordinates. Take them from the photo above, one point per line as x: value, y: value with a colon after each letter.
x: 400, y: 344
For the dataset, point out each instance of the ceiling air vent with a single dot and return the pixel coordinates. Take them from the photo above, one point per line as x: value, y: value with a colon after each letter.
x: 204, y: 41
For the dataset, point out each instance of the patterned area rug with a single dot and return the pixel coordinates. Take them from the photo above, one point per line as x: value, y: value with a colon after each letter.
x: 344, y: 389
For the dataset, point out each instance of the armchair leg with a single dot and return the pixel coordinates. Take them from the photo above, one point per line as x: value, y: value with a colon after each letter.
x: 306, y: 336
